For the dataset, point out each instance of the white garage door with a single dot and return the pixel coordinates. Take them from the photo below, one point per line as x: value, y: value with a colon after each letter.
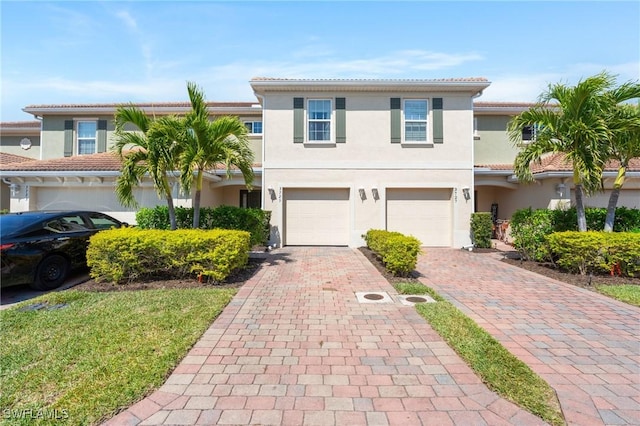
x: 75, y: 197
x: 316, y: 216
x: 423, y: 213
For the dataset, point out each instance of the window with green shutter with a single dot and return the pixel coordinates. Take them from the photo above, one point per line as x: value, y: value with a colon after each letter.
x: 298, y: 120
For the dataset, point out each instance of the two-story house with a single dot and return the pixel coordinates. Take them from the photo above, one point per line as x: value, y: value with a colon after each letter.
x: 343, y: 156
x: 333, y: 158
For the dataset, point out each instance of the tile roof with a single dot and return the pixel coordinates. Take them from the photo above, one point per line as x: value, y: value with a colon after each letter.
x: 559, y: 163
x: 371, y: 80
x: 6, y: 158
x: 35, y: 124
x: 145, y: 105
x: 101, y: 162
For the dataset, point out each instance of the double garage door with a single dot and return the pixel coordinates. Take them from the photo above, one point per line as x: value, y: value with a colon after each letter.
x: 321, y: 216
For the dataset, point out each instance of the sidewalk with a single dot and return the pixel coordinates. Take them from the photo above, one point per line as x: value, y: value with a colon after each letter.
x: 296, y: 347
x: 584, y: 344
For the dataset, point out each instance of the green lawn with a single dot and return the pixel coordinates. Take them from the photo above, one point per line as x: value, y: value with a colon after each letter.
x: 625, y: 293
x: 91, y: 354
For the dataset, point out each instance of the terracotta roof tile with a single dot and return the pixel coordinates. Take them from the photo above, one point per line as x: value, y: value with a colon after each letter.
x: 6, y: 158
x: 105, y: 161
x: 145, y: 105
x: 35, y: 124
x: 559, y: 163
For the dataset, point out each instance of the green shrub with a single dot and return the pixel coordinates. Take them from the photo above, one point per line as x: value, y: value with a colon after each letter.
x: 398, y: 252
x: 129, y: 254
x: 596, y: 252
x: 529, y: 229
x: 481, y: 228
x: 254, y: 221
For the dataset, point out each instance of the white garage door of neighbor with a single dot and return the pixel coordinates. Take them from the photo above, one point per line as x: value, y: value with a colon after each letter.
x: 424, y: 213
x: 72, y: 198
x: 316, y: 216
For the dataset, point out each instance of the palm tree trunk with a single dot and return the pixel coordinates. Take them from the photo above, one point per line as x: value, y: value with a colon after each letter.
x: 170, y: 206
x: 582, y: 218
x: 613, y: 199
x: 196, y: 200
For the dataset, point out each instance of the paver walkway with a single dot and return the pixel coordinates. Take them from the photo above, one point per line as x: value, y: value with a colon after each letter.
x: 295, y: 347
x: 585, y: 345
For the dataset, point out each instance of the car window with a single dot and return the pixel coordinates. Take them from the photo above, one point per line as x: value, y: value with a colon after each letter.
x: 102, y: 222
x: 67, y: 224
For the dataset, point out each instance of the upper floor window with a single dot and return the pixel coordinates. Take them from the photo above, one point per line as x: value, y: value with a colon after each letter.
x: 415, y: 120
x: 87, y: 131
x: 529, y: 133
x: 254, y: 127
x: 319, y: 120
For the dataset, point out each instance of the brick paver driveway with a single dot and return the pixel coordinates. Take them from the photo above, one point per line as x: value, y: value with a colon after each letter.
x: 585, y: 345
x: 296, y: 347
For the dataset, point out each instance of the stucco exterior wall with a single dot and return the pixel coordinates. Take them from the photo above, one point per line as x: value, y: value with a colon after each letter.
x: 11, y: 145
x: 370, y: 213
x: 492, y: 144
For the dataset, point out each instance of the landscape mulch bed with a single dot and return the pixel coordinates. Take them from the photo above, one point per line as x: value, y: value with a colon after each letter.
x: 238, y: 278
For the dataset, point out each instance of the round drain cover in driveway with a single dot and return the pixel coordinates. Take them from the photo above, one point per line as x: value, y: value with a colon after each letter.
x: 373, y: 296
x: 416, y: 299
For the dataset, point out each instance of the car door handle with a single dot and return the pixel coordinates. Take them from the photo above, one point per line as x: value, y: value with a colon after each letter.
x: 62, y: 239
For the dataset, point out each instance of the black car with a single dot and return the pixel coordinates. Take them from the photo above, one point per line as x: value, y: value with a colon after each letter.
x: 40, y: 248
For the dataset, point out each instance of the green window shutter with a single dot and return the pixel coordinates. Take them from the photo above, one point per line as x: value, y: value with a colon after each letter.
x: 396, y: 121
x: 341, y: 120
x: 298, y: 120
x: 101, y: 136
x: 68, y: 138
x: 438, y: 131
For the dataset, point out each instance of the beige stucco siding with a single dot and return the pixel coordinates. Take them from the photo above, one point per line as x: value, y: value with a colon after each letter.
x: 368, y: 121
x: 370, y: 213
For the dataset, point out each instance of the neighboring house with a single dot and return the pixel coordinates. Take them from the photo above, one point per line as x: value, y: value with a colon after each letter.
x: 333, y: 158
x: 78, y: 170
x: 498, y: 190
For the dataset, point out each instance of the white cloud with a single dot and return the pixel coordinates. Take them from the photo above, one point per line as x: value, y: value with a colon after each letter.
x: 127, y: 19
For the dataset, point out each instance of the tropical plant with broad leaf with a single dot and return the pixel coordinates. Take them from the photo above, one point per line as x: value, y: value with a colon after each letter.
x: 150, y: 151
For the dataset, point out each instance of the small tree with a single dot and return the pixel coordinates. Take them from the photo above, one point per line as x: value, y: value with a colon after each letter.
x: 150, y: 151
x: 625, y: 145
x: 572, y: 121
x: 207, y: 143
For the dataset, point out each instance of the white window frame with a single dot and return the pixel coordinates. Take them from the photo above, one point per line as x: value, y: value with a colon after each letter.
x: 309, y: 120
x: 252, y: 125
x: 534, y: 132
x: 79, y: 139
x: 405, y: 121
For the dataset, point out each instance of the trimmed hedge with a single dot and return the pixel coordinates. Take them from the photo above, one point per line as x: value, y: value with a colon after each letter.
x: 481, y: 229
x: 127, y: 254
x: 529, y: 228
x: 254, y: 221
x: 398, y: 252
x: 597, y: 252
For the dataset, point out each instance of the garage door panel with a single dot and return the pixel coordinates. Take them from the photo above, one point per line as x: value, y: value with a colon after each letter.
x: 315, y: 216
x: 424, y: 213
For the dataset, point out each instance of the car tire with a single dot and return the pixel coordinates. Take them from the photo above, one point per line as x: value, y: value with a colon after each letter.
x: 51, y: 273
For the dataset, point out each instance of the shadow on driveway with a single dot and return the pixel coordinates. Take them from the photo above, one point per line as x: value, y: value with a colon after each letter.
x: 12, y: 295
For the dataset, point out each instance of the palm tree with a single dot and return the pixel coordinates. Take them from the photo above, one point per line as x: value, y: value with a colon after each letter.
x: 151, y: 151
x: 572, y: 121
x: 209, y: 143
x: 625, y: 145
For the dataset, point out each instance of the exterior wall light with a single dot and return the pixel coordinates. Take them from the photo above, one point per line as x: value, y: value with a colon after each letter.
x: 272, y: 193
x: 466, y: 193
x: 363, y: 195
x: 15, y: 189
x: 376, y: 195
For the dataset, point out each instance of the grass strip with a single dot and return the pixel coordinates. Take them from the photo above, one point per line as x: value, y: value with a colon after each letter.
x: 86, y: 355
x: 627, y: 293
x: 498, y: 368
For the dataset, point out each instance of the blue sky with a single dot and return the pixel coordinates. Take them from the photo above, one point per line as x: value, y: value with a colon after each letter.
x: 145, y: 51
